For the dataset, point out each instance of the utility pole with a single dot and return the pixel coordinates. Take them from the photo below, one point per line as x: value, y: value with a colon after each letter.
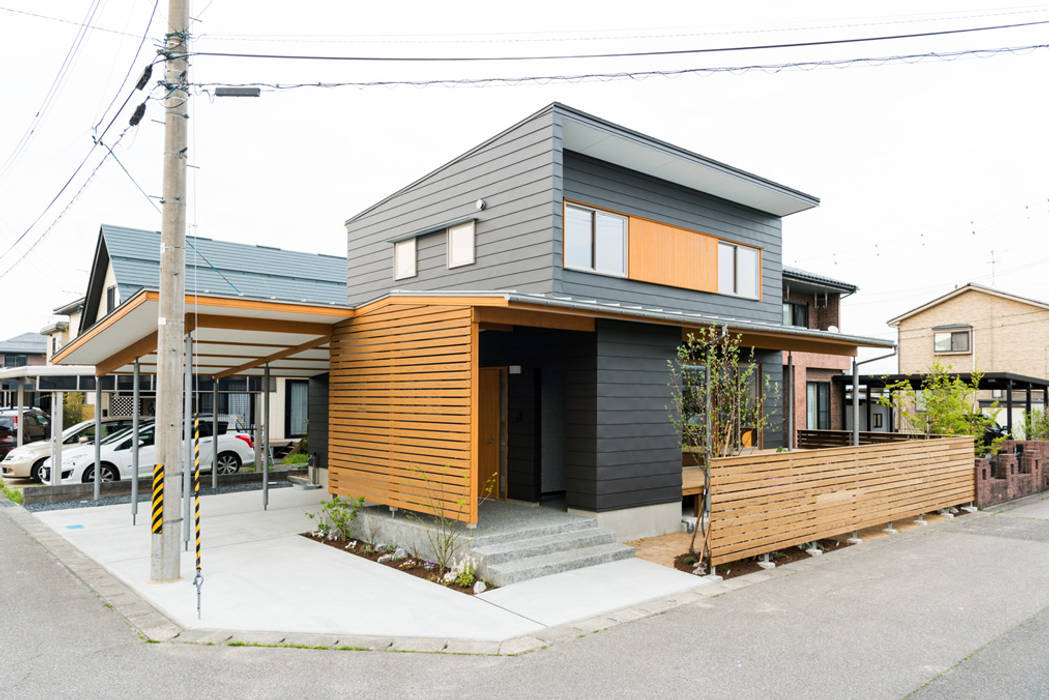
x: 171, y: 318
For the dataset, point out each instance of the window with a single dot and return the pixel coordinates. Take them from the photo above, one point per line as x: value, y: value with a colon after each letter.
x: 817, y: 405
x: 296, y: 398
x: 738, y: 270
x: 878, y: 423
x: 950, y: 341
x: 595, y: 241
x: 461, y: 245
x: 404, y: 259
x: 111, y: 298
x: 795, y: 314
x: 16, y: 360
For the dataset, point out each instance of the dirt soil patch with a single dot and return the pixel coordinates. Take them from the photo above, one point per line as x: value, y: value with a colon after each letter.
x: 409, y: 565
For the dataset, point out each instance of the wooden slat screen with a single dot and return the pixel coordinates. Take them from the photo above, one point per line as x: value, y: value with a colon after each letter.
x: 815, y: 439
x: 401, y: 396
x: 766, y: 502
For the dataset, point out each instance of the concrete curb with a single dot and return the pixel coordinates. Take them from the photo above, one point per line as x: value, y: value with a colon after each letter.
x: 153, y: 625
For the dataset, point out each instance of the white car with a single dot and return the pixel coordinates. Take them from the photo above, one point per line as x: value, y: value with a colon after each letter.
x: 78, y: 464
x: 26, y: 461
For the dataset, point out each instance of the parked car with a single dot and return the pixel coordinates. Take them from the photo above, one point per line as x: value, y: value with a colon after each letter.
x: 26, y: 461
x: 35, y: 423
x: 78, y: 464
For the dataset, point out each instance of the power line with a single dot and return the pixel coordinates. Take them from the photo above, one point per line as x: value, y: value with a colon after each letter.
x: 622, y: 54
x: 131, y: 67
x: 640, y: 75
x: 52, y: 90
x: 68, y: 205
x: 567, y: 36
x: 63, y: 20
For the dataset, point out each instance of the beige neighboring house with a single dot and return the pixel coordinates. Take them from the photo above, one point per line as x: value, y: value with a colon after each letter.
x: 57, y: 332
x: 977, y: 327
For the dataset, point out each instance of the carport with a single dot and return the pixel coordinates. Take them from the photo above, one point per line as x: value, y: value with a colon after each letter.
x: 232, y: 344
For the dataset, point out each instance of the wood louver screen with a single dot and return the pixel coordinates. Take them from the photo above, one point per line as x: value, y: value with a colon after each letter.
x: 400, y: 395
x: 764, y: 502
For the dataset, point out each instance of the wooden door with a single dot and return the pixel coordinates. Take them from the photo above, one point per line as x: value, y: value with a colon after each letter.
x: 491, y: 422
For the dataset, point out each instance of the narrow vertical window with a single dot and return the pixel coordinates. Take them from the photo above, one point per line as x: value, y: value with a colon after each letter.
x: 404, y: 259
x: 578, y: 246
x: 461, y: 245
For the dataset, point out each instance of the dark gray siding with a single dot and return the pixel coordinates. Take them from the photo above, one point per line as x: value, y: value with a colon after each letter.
x: 772, y: 373
x: 605, y: 185
x: 317, y: 414
x: 514, y: 174
x: 637, y: 450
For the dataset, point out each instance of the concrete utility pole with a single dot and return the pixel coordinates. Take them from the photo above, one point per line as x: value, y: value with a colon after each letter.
x: 171, y: 318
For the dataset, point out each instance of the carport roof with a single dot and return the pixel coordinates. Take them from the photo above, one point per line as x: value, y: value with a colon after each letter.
x: 232, y: 336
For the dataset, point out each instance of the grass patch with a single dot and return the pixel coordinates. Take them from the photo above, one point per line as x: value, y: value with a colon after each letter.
x: 296, y: 458
x: 12, y: 494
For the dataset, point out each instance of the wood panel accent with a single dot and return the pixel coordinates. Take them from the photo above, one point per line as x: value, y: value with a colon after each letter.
x: 764, y: 502
x: 550, y: 318
x: 402, y: 395
x: 677, y: 257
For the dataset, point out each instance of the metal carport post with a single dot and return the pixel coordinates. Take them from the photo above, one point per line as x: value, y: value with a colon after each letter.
x: 134, y: 442
x: 56, y: 438
x: 96, y: 492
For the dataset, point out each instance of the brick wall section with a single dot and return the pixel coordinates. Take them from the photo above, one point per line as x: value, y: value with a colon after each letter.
x: 816, y: 367
x: 1012, y: 476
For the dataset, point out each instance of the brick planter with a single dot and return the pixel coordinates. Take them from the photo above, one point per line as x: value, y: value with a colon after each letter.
x: 1019, y: 470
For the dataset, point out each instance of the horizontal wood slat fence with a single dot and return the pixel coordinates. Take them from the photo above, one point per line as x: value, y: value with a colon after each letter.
x: 400, y: 393
x: 815, y: 439
x: 761, y: 503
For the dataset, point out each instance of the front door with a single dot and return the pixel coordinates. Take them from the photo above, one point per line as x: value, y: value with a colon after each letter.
x: 491, y: 425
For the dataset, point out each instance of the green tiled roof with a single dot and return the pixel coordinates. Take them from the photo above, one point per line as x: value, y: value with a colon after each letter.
x: 227, y: 269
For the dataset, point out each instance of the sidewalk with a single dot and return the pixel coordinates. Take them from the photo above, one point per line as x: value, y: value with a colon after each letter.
x: 261, y: 577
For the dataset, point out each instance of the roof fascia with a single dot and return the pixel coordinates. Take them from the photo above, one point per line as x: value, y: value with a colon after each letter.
x: 95, y: 280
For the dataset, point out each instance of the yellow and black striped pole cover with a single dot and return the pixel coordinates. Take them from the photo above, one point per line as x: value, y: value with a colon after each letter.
x: 196, y: 485
x: 158, y: 499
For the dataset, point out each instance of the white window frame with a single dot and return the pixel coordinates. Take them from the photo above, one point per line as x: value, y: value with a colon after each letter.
x: 405, y: 247
x: 735, y: 270
x: 950, y: 338
x: 467, y: 228
x: 594, y: 213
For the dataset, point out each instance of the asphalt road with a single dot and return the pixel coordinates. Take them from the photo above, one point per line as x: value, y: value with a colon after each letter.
x: 959, y: 609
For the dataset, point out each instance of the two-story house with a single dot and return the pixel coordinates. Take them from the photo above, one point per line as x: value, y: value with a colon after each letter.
x: 516, y: 309
x: 813, y: 301
x: 975, y: 327
x: 25, y: 350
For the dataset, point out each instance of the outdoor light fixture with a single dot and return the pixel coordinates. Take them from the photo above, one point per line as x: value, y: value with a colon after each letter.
x: 515, y: 369
x: 237, y: 92
x: 480, y: 204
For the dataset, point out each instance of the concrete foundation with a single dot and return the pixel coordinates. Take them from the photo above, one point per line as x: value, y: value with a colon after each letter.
x: 635, y: 523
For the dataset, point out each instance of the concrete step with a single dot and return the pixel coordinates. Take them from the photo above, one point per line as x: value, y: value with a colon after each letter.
x: 555, y: 527
x: 502, y: 552
x: 544, y: 565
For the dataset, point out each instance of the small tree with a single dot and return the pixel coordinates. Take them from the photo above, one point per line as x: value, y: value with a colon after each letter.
x: 73, y: 408
x: 1036, y: 425
x: 944, y: 405
x: 717, y: 404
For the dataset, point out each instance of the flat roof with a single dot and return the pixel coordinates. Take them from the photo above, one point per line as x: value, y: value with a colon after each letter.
x: 988, y: 380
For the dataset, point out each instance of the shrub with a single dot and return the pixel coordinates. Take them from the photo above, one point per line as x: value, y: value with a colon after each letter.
x: 337, y: 516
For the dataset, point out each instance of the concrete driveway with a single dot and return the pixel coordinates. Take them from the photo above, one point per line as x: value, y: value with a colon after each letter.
x: 260, y: 575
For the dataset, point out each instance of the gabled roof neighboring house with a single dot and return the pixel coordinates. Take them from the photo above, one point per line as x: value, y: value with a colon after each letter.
x: 969, y: 287
x: 128, y: 260
x: 25, y: 344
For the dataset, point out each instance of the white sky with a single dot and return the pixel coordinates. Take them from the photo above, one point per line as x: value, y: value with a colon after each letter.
x: 922, y: 168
